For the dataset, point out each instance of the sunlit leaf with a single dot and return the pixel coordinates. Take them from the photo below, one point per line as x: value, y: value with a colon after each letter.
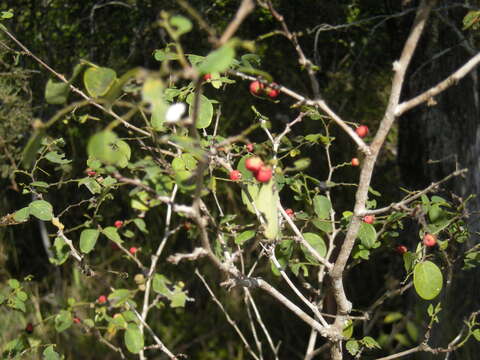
x: 427, y: 279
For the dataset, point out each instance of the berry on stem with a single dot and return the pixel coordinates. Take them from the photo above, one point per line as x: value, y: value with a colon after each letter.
x: 264, y: 174
x: 77, y: 320
x: 355, y: 162
x: 362, y: 131
x: 235, y: 175
x: 429, y: 240
x: 253, y: 164
x: 29, y: 328
x: 91, y: 173
x: 401, y: 249
x: 272, y: 92
x: 133, y: 250
x: 290, y: 213
x: 207, y: 77
x: 369, y: 219
x: 102, y: 299
x: 256, y: 87
x: 249, y: 147
x: 118, y: 224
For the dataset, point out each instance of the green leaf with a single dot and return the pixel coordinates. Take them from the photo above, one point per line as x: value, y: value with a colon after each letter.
x: 7, y: 14
x: 317, y: 243
x: 181, y: 25
x: 56, y: 92
x: 41, y: 209
x: 13, y: 283
x: 392, y: 317
x: 249, y: 195
x: 427, y: 279
x: 61, y: 252
x: 205, y: 111
x: 352, y: 347
x: 22, y: 215
x: 218, y: 61
x: 98, y: 80
x: 266, y: 203
x: 370, y: 342
x: 244, y: 236
x: 119, y: 297
x: 88, y: 239
x: 106, y: 147
x: 178, y: 299
x: 302, y: 164
x: 133, y: 339
x: 476, y: 334
x: 112, y: 233
x: 63, y: 320
x: 159, y: 285
x: 412, y: 330
x: 140, y: 223
x: 324, y: 225
x: 347, y: 331
x: 367, y: 235
x: 57, y: 158
x: 322, y: 206
x: 39, y: 184
x: 22, y: 296
x: 50, y: 354
x: 92, y: 185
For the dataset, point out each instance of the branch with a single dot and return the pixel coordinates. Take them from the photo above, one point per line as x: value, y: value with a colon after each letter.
x: 246, y: 7
x: 440, y: 87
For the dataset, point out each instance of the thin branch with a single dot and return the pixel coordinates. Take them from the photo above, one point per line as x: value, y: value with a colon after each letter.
x: 246, y: 7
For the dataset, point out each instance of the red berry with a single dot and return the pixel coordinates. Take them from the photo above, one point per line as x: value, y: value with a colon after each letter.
x: 91, y: 173
x: 256, y: 87
x: 76, y: 320
x: 187, y: 225
x: 401, y: 249
x: 369, y: 219
x: 102, y: 299
x: 235, y: 175
x: 207, y: 77
x: 264, y: 174
x: 272, y: 92
x: 290, y: 213
x: 29, y: 328
x: 429, y: 240
x: 253, y: 163
x: 133, y: 250
x: 118, y: 224
x: 249, y: 147
x: 355, y: 162
x: 362, y: 131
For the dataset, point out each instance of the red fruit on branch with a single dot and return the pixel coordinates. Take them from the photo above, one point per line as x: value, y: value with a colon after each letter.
x: 362, y: 131
x: 355, y: 162
x: 207, y: 77
x: 235, y: 175
x: 290, y: 213
x: 256, y: 87
x: 429, y: 240
x: 369, y: 219
x: 76, y: 320
x: 253, y: 163
x: 249, y: 147
x: 133, y: 250
x: 272, y: 92
x: 29, y: 328
x: 102, y: 299
x: 118, y: 224
x: 401, y: 249
x: 264, y: 174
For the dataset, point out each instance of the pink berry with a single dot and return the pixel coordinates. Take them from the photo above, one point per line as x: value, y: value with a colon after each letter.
x: 253, y: 163
x: 118, y: 224
x: 249, y: 147
x: 272, y: 92
x: 290, y: 213
x: 369, y: 219
x: 256, y: 87
x: 362, y: 131
x: 264, y: 174
x: 133, y: 250
x: 29, y: 328
x: 429, y: 240
x: 76, y: 320
x: 355, y: 162
x: 102, y: 299
x: 401, y: 249
x: 207, y: 77
x: 235, y: 175
x: 91, y: 173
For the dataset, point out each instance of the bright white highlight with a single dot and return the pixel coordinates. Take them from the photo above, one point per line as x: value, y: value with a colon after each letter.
x: 175, y: 112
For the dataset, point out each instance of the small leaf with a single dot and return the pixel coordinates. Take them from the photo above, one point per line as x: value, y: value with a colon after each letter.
x: 98, y: 80
x: 112, y: 233
x: 266, y: 203
x: 218, y: 61
x: 41, y: 209
x: 63, y: 320
x: 119, y: 297
x: 88, y: 239
x: 205, y: 111
x: 181, y: 25
x: 302, y: 164
x: 22, y: 214
x: 133, y: 339
x: 367, y: 235
x: 178, y: 299
x: 57, y: 158
x: 476, y: 334
x: 13, y: 283
x: 322, y: 206
x: 106, y: 147
x: 352, y: 347
x: 347, y: 331
x: 317, y: 243
x: 159, y: 285
x: 56, y: 92
x: 427, y: 279
x: 392, y: 317
x: 370, y: 342
x: 50, y: 354
x: 140, y: 223
x: 244, y: 236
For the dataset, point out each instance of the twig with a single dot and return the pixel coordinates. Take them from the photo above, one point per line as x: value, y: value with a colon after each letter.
x: 246, y: 7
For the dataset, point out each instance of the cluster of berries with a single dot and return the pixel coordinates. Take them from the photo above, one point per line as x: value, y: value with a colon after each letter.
x: 361, y: 131
x: 257, y: 88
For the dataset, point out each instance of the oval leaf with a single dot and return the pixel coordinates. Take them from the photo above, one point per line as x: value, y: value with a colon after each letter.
x: 322, y: 206
x: 427, y: 279
x: 266, y: 203
x: 98, y: 80
x: 181, y: 24
x: 205, y: 111
x: 367, y: 235
x: 317, y: 243
x: 56, y: 92
x: 41, y: 209
x: 106, y: 147
x: 218, y: 60
x: 133, y: 339
x: 88, y: 239
x: 244, y: 236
